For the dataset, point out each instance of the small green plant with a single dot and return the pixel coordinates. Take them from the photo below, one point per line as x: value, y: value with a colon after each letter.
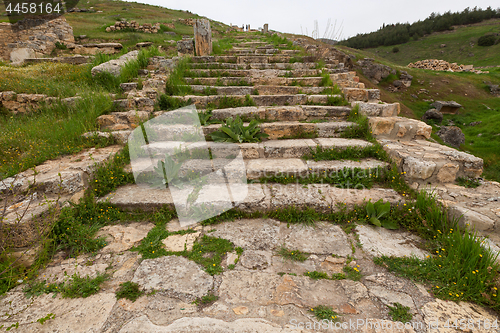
x: 395, y: 49
x: 293, y: 255
x: 352, y: 273
x: 83, y: 286
x: 400, y: 313
x: 323, y: 312
x: 61, y: 46
x: 375, y: 212
x: 234, y: 131
x: 44, y: 319
x: 168, y: 103
x: 468, y: 182
x: 129, y: 290
x: 207, y: 299
x: 294, y: 215
x: 315, y: 275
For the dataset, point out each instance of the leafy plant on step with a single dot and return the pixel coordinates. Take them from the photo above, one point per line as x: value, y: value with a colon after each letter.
x: 234, y: 131
x: 400, y: 313
x: 376, y: 211
x: 129, y: 290
x: 168, y: 170
x: 205, y: 300
x: 326, y: 81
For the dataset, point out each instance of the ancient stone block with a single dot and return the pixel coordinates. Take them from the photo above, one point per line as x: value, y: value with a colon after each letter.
x: 203, y: 37
x: 448, y: 173
x: 416, y: 168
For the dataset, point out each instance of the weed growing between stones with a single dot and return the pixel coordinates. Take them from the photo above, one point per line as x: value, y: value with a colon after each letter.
x: 75, y: 287
x: 400, y: 313
x: 468, y: 182
x: 323, y: 312
x: 129, y: 290
x: 234, y: 131
x: 109, y: 175
x: 354, y: 178
x: 349, y: 153
x: 168, y: 103
x: 293, y: 255
x: 295, y: 215
x: 176, y: 84
x: 206, y: 300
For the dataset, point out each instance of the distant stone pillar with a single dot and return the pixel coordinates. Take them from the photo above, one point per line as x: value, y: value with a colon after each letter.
x: 266, y: 28
x: 202, y: 37
x: 248, y: 29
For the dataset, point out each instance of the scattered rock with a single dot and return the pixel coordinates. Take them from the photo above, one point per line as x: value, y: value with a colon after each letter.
x: 375, y: 71
x: 114, y: 67
x: 434, y: 115
x: 446, y: 106
x: 452, y: 135
x: 474, y: 123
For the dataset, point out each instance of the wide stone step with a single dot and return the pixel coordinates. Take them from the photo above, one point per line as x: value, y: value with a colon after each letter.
x: 264, y: 168
x: 278, y: 65
x: 278, y: 130
x: 264, y: 80
x: 254, y: 73
x: 293, y: 148
x: 285, y: 113
x: 259, y: 100
x: 258, y: 90
x: 257, y: 197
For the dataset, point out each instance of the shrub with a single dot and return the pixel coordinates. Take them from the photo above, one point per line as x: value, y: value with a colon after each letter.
x: 395, y: 49
x: 486, y: 40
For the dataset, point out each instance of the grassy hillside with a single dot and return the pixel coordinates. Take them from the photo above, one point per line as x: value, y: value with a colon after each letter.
x: 468, y: 89
x: 93, y: 24
x: 461, y: 47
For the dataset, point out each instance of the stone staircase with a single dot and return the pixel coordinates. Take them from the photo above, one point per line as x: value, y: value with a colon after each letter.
x: 258, y: 290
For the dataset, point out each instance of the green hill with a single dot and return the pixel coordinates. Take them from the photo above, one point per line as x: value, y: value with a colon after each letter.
x: 461, y: 47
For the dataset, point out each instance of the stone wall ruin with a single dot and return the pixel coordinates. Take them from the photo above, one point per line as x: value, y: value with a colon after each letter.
x: 29, y: 38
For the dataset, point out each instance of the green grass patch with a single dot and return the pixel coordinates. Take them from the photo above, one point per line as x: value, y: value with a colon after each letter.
x: 109, y: 175
x: 75, y: 287
x: 293, y: 255
x: 322, y: 312
x: 169, y: 103
x: 349, y: 153
x: 205, y: 300
x: 468, y: 182
x: 295, y: 215
x: 400, y: 313
x: 129, y: 290
x: 25, y: 141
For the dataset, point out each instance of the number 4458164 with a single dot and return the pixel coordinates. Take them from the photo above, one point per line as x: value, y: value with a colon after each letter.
x: 34, y: 8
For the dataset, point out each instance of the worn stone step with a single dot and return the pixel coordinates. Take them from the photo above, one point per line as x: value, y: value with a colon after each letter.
x: 262, y: 167
x: 278, y: 65
x: 278, y: 130
x: 425, y: 162
x: 362, y: 95
x: 259, y: 100
x: 265, y: 80
x: 399, y: 128
x: 378, y: 109
x: 259, y: 90
x: 259, y: 197
x: 285, y: 113
x: 254, y: 73
x: 293, y: 148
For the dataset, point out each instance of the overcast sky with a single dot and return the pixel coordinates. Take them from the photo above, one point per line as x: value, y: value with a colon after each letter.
x: 294, y: 16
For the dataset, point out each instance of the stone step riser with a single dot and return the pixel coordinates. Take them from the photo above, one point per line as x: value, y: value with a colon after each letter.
x: 256, y: 169
x: 260, y: 90
x: 260, y: 197
x: 280, y: 81
x: 282, y: 66
x: 295, y: 148
x: 254, y: 73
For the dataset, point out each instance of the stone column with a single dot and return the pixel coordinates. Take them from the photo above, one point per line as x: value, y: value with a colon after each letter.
x: 203, y: 37
x: 266, y: 28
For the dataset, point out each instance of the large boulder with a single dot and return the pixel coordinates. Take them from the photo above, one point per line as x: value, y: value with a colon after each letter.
x: 114, y: 67
x: 446, y: 106
x: 434, y: 115
x: 375, y: 71
x: 185, y: 46
x: 451, y: 135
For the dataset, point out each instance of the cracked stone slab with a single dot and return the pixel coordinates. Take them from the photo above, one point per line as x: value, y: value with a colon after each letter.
x: 389, y: 297
x: 380, y: 241
x: 71, y: 315
x: 176, y: 275
x: 257, y: 234
x: 438, y: 313
x: 322, y: 238
x: 120, y: 238
x: 206, y: 325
